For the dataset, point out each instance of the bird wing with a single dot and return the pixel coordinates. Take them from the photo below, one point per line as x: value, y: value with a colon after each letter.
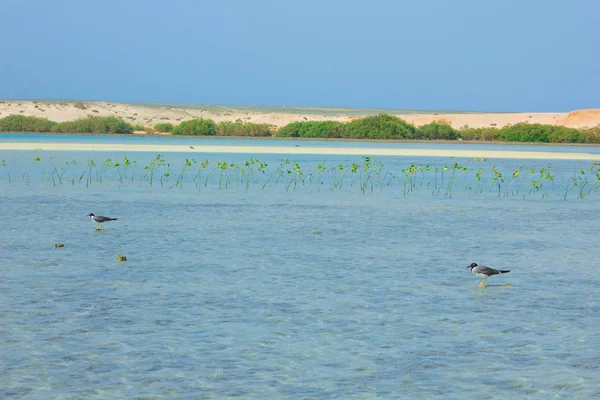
x: 99, y: 218
x: 487, y: 271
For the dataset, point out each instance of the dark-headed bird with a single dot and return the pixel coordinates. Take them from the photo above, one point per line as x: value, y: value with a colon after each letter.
x: 485, y: 272
x: 98, y: 219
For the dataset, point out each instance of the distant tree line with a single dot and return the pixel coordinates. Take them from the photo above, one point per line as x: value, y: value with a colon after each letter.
x: 382, y: 126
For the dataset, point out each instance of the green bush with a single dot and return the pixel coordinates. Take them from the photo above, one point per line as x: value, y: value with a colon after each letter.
x: 163, y: 127
x: 202, y: 127
x: 21, y: 123
x: 562, y: 134
x: 437, y: 130
x: 290, y: 130
x: 227, y: 128
x: 93, y: 124
x: 312, y: 129
x: 487, y: 134
x: 591, y: 135
x: 382, y: 126
x: 524, y: 132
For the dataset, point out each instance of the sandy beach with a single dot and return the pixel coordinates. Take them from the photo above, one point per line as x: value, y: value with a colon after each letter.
x: 299, y: 150
x: 151, y: 114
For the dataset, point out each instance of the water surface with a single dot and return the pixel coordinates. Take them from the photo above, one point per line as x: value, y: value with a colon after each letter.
x: 307, y: 293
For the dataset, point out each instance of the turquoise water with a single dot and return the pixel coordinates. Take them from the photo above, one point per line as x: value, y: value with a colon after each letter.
x: 261, y: 292
x: 222, y: 141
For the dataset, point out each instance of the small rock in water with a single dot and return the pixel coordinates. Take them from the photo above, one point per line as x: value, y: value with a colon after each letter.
x: 57, y: 245
x: 121, y: 257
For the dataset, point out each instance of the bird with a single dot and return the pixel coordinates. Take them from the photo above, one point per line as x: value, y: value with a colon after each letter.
x: 485, y: 272
x: 98, y: 219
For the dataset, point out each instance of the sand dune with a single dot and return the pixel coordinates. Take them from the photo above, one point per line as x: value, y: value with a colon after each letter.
x: 151, y: 114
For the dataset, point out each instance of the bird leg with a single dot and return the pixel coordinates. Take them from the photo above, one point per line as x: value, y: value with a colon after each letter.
x: 98, y: 228
x: 482, y: 284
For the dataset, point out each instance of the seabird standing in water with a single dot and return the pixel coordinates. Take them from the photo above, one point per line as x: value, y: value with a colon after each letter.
x: 485, y: 272
x: 98, y: 219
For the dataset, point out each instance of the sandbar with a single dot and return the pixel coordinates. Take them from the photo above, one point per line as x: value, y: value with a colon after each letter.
x: 363, y: 151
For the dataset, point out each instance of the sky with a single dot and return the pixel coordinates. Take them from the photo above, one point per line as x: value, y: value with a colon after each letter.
x: 493, y: 55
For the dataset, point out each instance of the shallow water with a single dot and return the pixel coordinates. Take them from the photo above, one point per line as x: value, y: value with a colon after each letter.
x: 307, y: 293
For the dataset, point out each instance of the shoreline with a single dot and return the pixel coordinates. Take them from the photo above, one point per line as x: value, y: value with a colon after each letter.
x: 295, y: 150
x: 149, y: 114
x: 285, y: 138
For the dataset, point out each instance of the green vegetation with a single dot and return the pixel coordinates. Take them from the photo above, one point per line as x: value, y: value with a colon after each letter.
x: 537, y: 133
x: 438, y: 130
x: 382, y: 126
x: 312, y: 129
x: 20, y: 123
x: 365, y: 175
x: 94, y: 125
x: 226, y: 128
x: 199, y: 127
x: 91, y: 124
x: 163, y: 127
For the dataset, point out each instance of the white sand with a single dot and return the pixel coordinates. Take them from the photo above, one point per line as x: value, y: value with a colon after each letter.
x: 298, y: 150
x: 148, y: 114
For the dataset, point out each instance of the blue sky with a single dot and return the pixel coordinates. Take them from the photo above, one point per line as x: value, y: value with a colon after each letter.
x: 509, y: 55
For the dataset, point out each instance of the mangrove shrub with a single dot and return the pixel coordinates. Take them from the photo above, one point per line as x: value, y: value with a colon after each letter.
x: 21, y: 123
x: 93, y: 124
x: 200, y: 127
x: 382, y: 126
x: 239, y: 128
x: 164, y: 127
x: 437, y: 130
x: 313, y: 129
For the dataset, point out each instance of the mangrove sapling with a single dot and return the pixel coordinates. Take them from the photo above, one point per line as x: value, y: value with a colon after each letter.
x: 181, y: 177
x: 278, y: 172
x: 435, y: 180
x: 407, y: 184
x: 91, y: 164
x: 294, y: 175
x: 217, y: 166
x: 233, y: 169
x: 450, y: 181
x: 283, y: 170
x: 365, y: 174
x: 337, y: 183
x: 150, y: 169
x: 27, y: 173
x: 165, y: 176
x: 479, y: 184
x: 59, y: 171
x: 497, y: 179
x: 8, y: 173
x: 102, y: 168
x: 203, y: 165
x: 222, y: 166
x: 582, y: 184
x: 423, y: 171
x: 122, y: 171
